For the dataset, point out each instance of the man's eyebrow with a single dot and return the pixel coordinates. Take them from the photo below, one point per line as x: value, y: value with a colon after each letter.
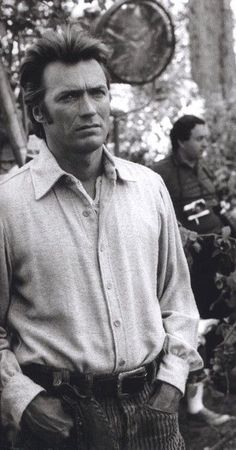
x: 81, y: 90
x: 70, y: 91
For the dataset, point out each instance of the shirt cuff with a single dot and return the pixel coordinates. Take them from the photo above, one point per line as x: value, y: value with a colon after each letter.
x: 15, y: 397
x: 173, y: 370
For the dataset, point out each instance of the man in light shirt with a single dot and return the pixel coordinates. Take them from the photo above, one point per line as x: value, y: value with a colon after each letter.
x: 98, y: 325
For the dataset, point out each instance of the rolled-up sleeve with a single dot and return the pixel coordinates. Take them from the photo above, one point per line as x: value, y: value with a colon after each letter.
x: 179, y: 312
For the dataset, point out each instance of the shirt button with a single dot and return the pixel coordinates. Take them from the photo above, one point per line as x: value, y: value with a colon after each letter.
x: 121, y: 362
x: 86, y: 213
x: 117, y: 323
x: 109, y: 287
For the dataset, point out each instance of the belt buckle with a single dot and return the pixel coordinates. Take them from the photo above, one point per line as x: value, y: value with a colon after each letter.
x: 122, y: 375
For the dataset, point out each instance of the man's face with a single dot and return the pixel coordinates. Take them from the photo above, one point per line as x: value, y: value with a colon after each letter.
x: 76, y: 107
x: 192, y: 149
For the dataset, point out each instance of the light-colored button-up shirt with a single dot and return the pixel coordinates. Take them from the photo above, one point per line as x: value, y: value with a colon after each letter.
x: 91, y: 288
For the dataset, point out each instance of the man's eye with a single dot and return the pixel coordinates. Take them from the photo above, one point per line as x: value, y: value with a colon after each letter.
x: 69, y: 98
x: 98, y: 93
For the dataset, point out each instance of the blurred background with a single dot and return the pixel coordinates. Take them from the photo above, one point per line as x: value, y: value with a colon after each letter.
x: 190, y: 72
x: 168, y: 58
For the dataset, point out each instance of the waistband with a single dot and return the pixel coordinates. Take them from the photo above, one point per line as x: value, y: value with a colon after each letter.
x: 121, y: 385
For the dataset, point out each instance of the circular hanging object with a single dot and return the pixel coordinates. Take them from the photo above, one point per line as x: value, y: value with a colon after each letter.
x: 140, y: 34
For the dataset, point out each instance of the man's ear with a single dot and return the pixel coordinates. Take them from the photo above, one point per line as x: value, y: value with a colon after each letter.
x: 37, y: 113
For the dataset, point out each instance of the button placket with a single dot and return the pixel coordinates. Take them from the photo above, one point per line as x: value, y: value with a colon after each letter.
x: 113, y: 302
x: 106, y: 276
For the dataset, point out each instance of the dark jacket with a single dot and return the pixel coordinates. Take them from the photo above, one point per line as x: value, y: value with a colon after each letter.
x: 186, y: 185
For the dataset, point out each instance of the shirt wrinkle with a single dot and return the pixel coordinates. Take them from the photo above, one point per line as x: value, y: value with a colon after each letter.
x: 99, y: 293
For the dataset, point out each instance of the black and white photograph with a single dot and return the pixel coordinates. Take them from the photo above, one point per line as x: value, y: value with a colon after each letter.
x: 117, y: 224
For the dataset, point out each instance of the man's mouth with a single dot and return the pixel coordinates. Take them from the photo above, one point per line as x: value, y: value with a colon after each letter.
x: 87, y: 127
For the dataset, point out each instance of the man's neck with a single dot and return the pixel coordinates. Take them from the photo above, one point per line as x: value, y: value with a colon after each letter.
x: 181, y: 159
x: 84, y: 166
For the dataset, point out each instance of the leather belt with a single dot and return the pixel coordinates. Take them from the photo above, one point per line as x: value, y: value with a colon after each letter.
x: 123, y: 384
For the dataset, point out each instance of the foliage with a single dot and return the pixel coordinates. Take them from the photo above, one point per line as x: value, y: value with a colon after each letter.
x: 221, y: 155
x: 21, y: 22
x: 224, y: 362
x: 223, y: 371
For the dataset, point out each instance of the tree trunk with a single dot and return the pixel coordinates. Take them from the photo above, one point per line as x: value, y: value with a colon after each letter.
x: 211, y: 47
x: 13, y: 125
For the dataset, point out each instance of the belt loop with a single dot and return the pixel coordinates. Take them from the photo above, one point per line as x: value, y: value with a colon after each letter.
x: 154, y: 369
x: 89, y: 384
x: 60, y: 376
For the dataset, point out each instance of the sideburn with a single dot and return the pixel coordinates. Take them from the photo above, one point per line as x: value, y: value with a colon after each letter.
x: 46, y: 113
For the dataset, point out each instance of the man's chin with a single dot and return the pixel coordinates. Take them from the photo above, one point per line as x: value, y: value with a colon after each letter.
x: 89, y: 147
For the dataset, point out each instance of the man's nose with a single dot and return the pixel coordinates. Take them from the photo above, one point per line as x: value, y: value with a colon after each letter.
x: 86, y: 106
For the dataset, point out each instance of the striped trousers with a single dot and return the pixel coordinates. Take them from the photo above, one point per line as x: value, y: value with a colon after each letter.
x: 136, y: 425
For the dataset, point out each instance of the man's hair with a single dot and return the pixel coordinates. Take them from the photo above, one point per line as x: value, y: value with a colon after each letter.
x: 71, y: 45
x: 182, y: 128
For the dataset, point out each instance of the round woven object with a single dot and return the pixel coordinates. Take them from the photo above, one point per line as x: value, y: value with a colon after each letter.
x: 140, y: 34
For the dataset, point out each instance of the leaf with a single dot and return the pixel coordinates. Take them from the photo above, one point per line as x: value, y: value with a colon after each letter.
x: 231, y: 281
x: 216, y: 253
x: 193, y: 236
x: 197, y: 247
x: 226, y: 232
x: 230, y: 339
x: 219, y: 280
x: 231, y: 302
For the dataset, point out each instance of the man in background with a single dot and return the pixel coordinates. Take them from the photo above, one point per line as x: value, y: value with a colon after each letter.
x: 192, y: 191
x: 188, y: 179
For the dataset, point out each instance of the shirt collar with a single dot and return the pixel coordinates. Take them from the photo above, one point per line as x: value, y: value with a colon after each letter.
x: 45, y: 170
x: 117, y: 168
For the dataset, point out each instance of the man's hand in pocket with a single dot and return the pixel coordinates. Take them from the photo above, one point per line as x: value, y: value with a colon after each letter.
x: 46, y: 418
x: 165, y: 398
